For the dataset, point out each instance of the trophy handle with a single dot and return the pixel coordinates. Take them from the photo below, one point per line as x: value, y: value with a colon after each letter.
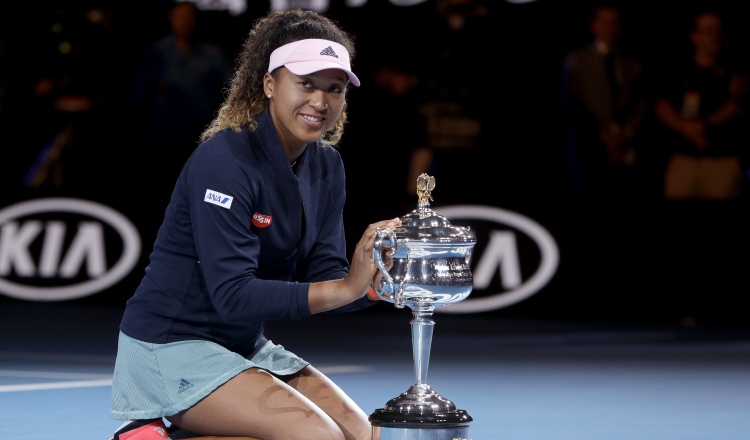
x: 389, y: 237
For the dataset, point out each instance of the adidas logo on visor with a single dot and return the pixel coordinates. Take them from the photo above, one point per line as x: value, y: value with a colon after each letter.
x: 329, y: 51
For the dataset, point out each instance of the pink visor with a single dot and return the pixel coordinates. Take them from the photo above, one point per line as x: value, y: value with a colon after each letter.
x: 304, y: 57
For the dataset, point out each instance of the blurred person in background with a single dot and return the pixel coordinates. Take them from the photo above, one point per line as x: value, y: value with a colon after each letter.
x: 701, y: 104
x: 604, y: 104
x: 5, y: 77
x: 64, y: 79
x: 178, y: 87
x: 393, y: 88
x: 453, y: 110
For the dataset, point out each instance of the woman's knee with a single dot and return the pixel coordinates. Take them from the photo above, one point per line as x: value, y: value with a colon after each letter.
x: 256, y: 404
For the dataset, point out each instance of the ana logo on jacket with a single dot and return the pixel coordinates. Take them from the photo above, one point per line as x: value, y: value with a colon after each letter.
x: 261, y: 221
x: 218, y: 198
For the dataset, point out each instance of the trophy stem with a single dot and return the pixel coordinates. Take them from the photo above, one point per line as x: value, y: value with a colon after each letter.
x: 419, y: 412
x: 422, y: 327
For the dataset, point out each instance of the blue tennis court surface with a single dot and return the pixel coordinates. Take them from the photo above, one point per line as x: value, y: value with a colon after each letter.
x: 519, y: 379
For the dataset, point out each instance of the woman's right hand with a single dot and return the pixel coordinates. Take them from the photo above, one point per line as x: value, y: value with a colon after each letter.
x: 363, y: 270
x: 328, y: 295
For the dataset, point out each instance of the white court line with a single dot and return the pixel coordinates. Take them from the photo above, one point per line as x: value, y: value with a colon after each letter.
x: 55, y: 357
x: 100, y: 380
x: 56, y: 385
x: 52, y: 374
x: 96, y: 380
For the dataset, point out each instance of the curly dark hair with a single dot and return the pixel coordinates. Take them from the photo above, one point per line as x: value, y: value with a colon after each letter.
x: 245, y: 98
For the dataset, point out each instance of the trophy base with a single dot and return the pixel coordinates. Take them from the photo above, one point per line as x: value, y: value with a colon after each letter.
x: 389, y: 425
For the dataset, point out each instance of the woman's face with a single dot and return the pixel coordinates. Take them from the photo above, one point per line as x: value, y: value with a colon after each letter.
x: 304, y: 107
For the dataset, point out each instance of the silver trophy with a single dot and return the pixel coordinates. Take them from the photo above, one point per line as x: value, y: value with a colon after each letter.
x: 424, y: 264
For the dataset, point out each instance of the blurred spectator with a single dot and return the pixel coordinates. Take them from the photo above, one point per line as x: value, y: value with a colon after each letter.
x: 452, y: 108
x: 7, y: 178
x: 390, y: 91
x: 604, y: 103
x: 390, y: 86
x: 701, y: 104
x: 64, y: 86
x: 178, y: 86
x: 4, y: 78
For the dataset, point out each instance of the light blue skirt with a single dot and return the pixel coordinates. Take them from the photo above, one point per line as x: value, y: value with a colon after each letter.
x: 157, y: 380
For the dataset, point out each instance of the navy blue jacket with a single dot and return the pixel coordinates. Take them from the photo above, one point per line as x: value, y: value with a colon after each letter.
x: 242, y: 238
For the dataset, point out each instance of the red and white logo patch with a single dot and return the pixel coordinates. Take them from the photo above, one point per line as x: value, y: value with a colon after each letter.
x: 261, y: 221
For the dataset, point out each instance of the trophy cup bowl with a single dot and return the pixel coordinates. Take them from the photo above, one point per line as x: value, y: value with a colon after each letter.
x: 428, y: 268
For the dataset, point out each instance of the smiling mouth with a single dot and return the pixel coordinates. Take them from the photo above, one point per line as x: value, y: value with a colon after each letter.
x: 312, y: 118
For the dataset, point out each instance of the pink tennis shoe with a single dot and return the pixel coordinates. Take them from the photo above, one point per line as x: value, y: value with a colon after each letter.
x: 142, y: 430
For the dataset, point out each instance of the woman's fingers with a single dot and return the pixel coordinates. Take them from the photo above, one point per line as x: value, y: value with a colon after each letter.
x: 368, y: 238
x: 363, y: 266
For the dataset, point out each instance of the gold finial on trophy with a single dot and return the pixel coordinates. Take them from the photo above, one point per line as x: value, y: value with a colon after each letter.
x: 425, y: 185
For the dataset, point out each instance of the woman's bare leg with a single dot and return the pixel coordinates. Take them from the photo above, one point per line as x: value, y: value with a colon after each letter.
x: 255, y: 404
x: 325, y: 394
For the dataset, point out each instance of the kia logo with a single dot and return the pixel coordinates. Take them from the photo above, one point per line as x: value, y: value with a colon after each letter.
x: 58, y: 249
x: 498, y: 258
